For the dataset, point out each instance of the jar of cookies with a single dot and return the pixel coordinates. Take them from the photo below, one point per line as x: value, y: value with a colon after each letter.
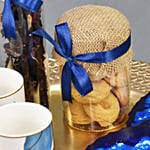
x: 100, y: 39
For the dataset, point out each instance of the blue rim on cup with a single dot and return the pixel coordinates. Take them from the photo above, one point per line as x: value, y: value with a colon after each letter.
x: 25, y: 126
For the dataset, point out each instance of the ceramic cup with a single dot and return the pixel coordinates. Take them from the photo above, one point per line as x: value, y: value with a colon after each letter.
x: 11, y: 86
x: 25, y: 126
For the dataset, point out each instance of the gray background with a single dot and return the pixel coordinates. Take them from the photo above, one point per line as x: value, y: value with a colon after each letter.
x: 137, y: 12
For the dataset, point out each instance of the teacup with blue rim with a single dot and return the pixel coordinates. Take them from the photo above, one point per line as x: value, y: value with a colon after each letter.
x: 25, y: 126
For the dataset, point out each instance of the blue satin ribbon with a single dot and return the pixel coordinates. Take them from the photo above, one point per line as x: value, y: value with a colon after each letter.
x: 72, y: 71
x: 8, y: 18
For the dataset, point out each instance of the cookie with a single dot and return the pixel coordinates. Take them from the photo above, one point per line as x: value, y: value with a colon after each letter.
x: 107, y: 111
x: 101, y: 90
x: 103, y: 123
x: 122, y: 94
x: 78, y: 114
x: 120, y: 79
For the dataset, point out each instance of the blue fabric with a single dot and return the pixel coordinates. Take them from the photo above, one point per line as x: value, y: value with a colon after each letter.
x: 143, y: 144
x: 40, y: 141
x: 141, y: 116
x: 140, y: 112
x: 136, y: 136
x: 73, y: 71
x: 127, y: 137
x: 8, y: 18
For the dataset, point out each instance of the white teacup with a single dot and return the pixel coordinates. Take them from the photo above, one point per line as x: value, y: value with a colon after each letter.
x: 11, y: 86
x: 25, y: 126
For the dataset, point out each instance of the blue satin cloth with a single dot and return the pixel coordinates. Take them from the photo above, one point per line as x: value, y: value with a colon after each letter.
x: 143, y: 144
x: 140, y: 112
x: 72, y: 71
x: 136, y: 136
x: 8, y: 18
x: 130, y: 137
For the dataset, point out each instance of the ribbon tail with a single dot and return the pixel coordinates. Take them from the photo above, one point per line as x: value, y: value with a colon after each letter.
x: 80, y: 79
x: 8, y: 21
x: 64, y: 38
x: 66, y: 82
x: 41, y: 32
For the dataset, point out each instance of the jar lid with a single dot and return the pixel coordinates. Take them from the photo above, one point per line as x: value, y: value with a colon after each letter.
x: 96, y: 29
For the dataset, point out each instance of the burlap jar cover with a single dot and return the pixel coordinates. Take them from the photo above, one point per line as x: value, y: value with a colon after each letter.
x: 98, y: 29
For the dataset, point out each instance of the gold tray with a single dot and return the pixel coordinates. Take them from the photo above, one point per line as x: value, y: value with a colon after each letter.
x: 66, y: 138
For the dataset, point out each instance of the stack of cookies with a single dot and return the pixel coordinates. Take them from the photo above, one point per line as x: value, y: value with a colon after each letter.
x: 102, y: 105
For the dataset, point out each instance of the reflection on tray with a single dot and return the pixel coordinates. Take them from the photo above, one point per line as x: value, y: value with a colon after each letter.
x: 67, y: 138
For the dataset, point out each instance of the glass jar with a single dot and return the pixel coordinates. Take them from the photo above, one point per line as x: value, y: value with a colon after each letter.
x: 96, y: 29
x: 27, y: 54
x: 105, y: 108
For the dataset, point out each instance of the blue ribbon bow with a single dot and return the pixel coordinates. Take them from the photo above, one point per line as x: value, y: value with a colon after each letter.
x: 8, y: 18
x: 72, y: 71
